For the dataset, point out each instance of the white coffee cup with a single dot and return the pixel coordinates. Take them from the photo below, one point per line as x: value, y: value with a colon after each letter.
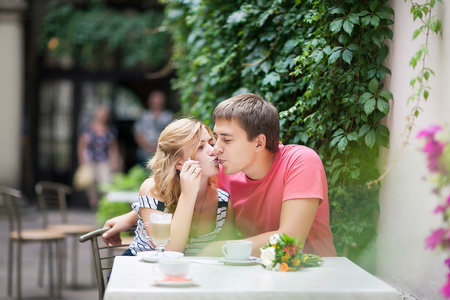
x: 173, y: 268
x: 237, y: 250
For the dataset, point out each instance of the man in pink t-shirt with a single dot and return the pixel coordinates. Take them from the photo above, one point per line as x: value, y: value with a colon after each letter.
x: 273, y: 188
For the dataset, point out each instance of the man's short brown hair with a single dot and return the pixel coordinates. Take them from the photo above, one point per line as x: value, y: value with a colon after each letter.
x: 254, y: 114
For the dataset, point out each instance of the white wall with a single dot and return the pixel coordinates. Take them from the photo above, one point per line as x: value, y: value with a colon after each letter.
x: 406, y: 201
x: 11, y: 83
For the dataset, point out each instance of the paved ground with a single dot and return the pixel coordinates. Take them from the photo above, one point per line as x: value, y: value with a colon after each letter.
x: 86, y: 290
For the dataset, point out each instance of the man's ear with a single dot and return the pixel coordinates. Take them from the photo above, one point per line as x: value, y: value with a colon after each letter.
x: 260, y: 141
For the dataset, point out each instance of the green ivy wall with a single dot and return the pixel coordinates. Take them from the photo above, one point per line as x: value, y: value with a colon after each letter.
x: 321, y: 63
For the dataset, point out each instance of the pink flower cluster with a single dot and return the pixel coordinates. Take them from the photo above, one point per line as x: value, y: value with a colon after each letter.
x: 440, y: 237
x: 432, y: 148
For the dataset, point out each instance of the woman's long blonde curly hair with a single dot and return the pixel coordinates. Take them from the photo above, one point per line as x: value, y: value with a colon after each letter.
x: 163, y: 164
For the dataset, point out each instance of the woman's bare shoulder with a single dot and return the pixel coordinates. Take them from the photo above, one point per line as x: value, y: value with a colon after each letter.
x: 146, y: 189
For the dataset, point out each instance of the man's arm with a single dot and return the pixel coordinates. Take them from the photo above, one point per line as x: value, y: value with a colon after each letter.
x: 296, y: 219
x: 297, y: 216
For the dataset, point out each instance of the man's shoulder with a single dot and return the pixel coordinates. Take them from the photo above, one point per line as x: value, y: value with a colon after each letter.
x: 297, y: 151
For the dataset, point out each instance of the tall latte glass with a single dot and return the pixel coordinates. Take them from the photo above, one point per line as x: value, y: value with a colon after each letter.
x: 159, y: 230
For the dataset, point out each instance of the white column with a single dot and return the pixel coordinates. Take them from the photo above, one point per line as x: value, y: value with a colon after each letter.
x: 11, y: 90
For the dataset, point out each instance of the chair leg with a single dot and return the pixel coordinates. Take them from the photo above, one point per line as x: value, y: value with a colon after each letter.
x: 50, y: 269
x: 64, y: 259
x: 41, y: 265
x: 10, y: 266
x: 74, y: 261
x: 94, y: 278
x: 59, y: 257
x: 19, y: 270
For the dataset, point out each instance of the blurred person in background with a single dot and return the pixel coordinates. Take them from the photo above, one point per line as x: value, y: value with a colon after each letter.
x: 98, y: 153
x: 148, y: 127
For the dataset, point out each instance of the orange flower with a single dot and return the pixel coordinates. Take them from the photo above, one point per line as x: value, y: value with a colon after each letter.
x: 284, y: 267
x: 291, y: 249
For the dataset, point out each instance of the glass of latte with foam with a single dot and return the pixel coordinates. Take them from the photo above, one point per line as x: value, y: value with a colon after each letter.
x: 159, y: 230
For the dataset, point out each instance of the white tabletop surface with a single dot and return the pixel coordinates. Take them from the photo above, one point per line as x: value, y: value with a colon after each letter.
x: 337, y: 278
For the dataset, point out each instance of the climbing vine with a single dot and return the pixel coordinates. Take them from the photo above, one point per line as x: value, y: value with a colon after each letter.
x: 422, y: 13
x: 320, y: 63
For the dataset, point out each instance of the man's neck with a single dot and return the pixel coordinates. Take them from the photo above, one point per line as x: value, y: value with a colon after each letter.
x: 261, y: 165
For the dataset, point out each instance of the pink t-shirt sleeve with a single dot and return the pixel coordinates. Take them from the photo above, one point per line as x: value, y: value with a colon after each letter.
x: 305, y: 177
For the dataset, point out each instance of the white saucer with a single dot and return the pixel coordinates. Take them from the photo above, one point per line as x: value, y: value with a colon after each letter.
x: 153, y: 256
x: 175, y: 283
x: 251, y: 260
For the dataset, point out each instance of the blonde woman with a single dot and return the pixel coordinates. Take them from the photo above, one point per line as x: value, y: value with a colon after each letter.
x: 183, y: 183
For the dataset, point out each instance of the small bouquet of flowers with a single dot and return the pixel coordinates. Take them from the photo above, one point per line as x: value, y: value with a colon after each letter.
x: 284, y: 253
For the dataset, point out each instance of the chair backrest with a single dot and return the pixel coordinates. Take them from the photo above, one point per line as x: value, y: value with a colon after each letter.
x: 52, y: 195
x: 11, y: 198
x: 103, y: 256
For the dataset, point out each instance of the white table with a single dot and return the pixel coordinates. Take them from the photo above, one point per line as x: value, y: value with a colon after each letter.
x: 337, y: 278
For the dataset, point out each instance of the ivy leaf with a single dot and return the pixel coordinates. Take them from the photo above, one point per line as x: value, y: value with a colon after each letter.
x: 364, y: 129
x: 335, y: 176
x: 375, y: 21
x: 337, y: 163
x: 354, y: 173
x: 373, y: 5
x: 363, y: 13
x: 336, y: 26
x: 386, y: 95
x: 352, y: 136
x: 236, y: 17
x: 342, y: 144
x: 377, y: 38
x: 353, y: 18
x: 347, y: 56
x: 334, y: 56
x: 335, y: 140
x: 369, y: 107
x: 383, y: 106
x: 339, y: 132
x: 364, y: 97
x: 382, y: 14
x: 382, y: 135
x: 366, y: 20
x: 337, y: 10
x: 272, y: 78
x: 371, y: 138
x: 373, y: 85
x: 289, y: 46
x: 265, y: 67
x: 348, y: 26
x: 318, y: 57
x: 353, y: 47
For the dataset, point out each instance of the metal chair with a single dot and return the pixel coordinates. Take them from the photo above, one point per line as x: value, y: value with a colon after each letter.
x: 11, y: 199
x: 103, y: 256
x: 53, y: 196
